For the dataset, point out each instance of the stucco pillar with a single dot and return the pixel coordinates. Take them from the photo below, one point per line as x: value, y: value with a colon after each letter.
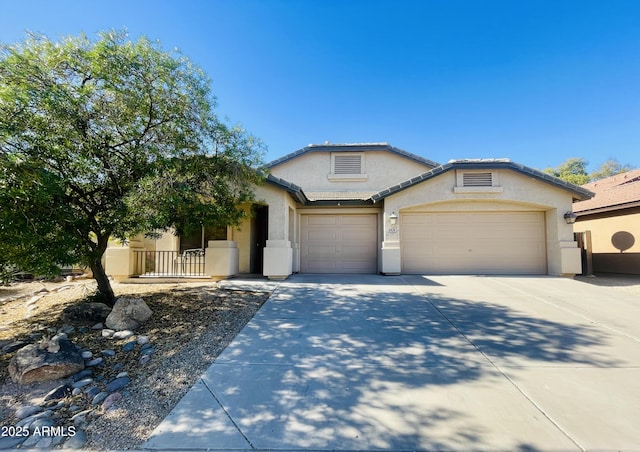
x: 391, y: 259
x: 121, y: 261
x: 570, y: 258
x: 221, y: 258
x: 278, y: 259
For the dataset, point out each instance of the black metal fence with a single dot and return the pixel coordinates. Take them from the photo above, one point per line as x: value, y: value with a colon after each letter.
x: 188, y: 263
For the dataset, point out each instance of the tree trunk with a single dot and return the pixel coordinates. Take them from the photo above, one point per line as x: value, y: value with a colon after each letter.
x: 104, y: 285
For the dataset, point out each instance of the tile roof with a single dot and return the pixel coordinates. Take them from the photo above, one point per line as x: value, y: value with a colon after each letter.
x: 352, y: 147
x: 578, y: 192
x: 339, y: 195
x: 615, y: 192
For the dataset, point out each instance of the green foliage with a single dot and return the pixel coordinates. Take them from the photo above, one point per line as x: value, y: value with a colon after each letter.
x: 574, y: 170
x: 609, y: 168
x: 109, y: 138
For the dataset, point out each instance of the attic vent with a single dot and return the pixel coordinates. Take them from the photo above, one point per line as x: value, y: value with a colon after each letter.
x: 477, y: 180
x: 347, y: 164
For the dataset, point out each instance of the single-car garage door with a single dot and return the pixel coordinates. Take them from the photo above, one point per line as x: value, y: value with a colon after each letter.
x: 473, y: 243
x: 338, y: 243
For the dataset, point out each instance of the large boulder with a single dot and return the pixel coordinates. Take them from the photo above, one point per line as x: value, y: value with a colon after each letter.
x: 46, y: 361
x: 128, y: 314
x: 90, y: 312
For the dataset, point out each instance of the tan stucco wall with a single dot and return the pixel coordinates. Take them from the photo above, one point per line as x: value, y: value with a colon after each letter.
x: 518, y: 193
x: 603, y: 229
x: 383, y: 169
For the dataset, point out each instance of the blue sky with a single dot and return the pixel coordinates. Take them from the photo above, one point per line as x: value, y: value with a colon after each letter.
x: 535, y: 81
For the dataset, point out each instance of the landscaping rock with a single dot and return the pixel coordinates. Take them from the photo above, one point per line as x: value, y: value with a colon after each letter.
x: 128, y: 314
x: 111, y: 400
x: 88, y: 312
x: 82, y: 383
x: 107, y: 332
x: 94, y: 362
x: 143, y: 340
x: 118, y: 384
x: 58, y: 393
x: 33, y: 364
x: 82, y: 374
x: 124, y: 334
x: 13, y: 346
x: 129, y: 346
x: 27, y: 410
x: 108, y: 353
x: 77, y: 441
x: 99, y: 398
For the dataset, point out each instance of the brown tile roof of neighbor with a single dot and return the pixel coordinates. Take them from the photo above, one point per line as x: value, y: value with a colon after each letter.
x: 612, y: 193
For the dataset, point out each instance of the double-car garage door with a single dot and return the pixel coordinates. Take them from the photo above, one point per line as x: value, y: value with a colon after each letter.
x: 473, y: 243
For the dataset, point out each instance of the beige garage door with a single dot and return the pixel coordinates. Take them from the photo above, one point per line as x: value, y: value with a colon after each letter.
x: 338, y: 244
x: 473, y: 243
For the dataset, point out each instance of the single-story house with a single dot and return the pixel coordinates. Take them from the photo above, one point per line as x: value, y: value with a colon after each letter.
x: 610, y: 223
x: 374, y: 208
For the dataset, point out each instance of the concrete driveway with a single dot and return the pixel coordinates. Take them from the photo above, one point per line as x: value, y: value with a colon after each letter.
x: 423, y: 363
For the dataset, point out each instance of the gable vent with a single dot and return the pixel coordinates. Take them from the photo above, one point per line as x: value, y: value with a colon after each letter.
x: 477, y: 180
x: 347, y: 164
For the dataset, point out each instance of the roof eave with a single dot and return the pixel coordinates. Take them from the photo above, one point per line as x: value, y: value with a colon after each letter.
x: 578, y: 192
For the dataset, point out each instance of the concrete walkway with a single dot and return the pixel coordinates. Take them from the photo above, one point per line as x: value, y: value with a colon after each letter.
x: 345, y: 362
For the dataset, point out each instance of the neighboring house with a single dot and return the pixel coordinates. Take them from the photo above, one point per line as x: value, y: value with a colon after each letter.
x: 374, y: 208
x: 610, y: 222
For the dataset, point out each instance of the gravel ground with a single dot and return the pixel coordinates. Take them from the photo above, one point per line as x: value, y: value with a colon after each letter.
x: 191, y: 324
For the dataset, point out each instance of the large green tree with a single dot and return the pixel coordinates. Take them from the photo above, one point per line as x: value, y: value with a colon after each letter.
x: 107, y: 138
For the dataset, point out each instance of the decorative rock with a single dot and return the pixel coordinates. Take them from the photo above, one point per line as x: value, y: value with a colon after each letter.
x: 122, y: 374
x: 107, y: 332
x: 80, y: 417
x: 88, y: 312
x: 117, y: 366
x: 94, y: 362
x: 42, y: 422
x: 32, y: 364
x: 27, y: 410
x: 74, y: 408
x: 128, y: 314
x: 124, y: 334
x: 108, y: 353
x: 117, y: 384
x: 82, y: 374
x: 76, y: 391
x: 129, y: 346
x: 13, y: 346
x: 82, y: 383
x: 146, y: 346
x: 11, y: 442
x: 98, y: 326
x: 99, y: 398
x: 91, y: 392
x: 143, y: 340
x: 67, y: 329
x: 86, y: 354
x: 83, y: 329
x: 58, y: 393
x: 77, y: 441
x: 148, y: 351
x: 31, y: 441
x: 27, y: 421
x: 144, y: 360
x: 44, y: 443
x: 111, y: 400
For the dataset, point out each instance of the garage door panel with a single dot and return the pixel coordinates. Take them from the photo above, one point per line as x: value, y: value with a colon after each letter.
x: 473, y: 242
x: 339, y: 243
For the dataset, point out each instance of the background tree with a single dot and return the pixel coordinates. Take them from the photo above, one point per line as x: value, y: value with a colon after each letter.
x: 110, y: 138
x: 574, y: 170
x: 609, y: 168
